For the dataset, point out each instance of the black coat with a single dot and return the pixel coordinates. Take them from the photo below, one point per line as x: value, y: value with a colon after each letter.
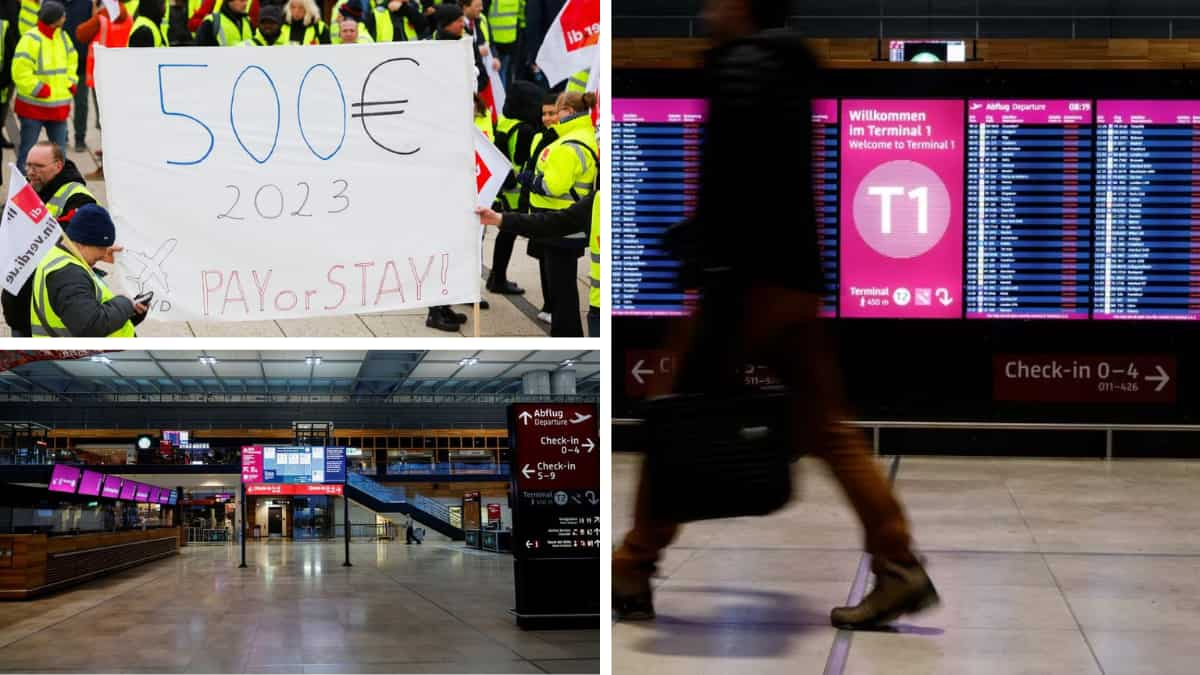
x: 744, y: 208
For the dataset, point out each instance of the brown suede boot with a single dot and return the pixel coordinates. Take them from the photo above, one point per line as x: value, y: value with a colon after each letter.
x: 899, y: 589
x: 632, y: 598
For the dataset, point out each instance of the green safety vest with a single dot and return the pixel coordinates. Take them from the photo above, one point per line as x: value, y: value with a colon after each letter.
x: 567, y: 167
x: 229, y: 34
x: 385, y: 31
x: 504, y: 128
x: 505, y: 16
x: 131, y: 6
x: 594, y: 250
x: 483, y: 28
x: 44, y: 321
x: 285, y: 35
x: 27, y: 18
x: 579, y: 81
x: 64, y: 193
x: 160, y: 39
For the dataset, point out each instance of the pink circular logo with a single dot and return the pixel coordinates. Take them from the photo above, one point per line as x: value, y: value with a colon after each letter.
x: 902, y: 209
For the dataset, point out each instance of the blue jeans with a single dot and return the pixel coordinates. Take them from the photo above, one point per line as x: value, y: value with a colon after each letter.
x: 32, y: 129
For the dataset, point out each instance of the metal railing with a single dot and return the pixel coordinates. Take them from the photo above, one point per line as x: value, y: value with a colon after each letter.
x: 385, y: 493
x: 877, y: 426
x: 198, y: 535
x: 433, y: 508
x: 368, y: 531
x: 449, y: 468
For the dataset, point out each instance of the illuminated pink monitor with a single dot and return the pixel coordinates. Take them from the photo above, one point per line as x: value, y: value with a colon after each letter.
x: 112, y: 487
x: 64, y: 478
x: 89, y: 483
x: 129, y: 491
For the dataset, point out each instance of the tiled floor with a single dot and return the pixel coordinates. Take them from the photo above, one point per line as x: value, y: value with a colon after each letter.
x: 509, y: 316
x: 399, y: 609
x: 1043, y: 567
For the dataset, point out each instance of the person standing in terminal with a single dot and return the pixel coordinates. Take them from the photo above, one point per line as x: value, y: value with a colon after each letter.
x: 69, y: 298
x: 581, y: 217
x: 305, y: 26
x: 45, y: 72
x: 62, y: 189
x: 565, y: 173
x: 760, y: 295
x: 147, y: 25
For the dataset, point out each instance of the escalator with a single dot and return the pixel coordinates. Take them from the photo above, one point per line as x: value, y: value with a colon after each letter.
x: 388, y: 499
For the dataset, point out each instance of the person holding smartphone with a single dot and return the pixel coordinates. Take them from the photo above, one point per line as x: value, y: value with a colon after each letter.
x: 69, y: 297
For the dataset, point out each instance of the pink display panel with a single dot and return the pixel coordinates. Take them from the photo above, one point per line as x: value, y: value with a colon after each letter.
x: 64, y: 478
x: 89, y: 484
x: 112, y: 487
x: 901, y: 208
x: 826, y: 167
x: 129, y: 491
x: 143, y: 493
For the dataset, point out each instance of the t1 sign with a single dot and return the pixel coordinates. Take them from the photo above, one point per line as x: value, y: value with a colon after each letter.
x: 270, y: 184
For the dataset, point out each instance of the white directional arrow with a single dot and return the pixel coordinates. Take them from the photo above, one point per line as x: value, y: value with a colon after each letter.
x: 638, y: 371
x: 527, y: 471
x: 525, y: 417
x: 528, y: 544
x: 587, y: 443
x: 580, y: 417
x: 1162, y: 378
x: 943, y: 296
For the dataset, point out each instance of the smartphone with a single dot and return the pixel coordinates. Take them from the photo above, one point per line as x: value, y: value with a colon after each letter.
x: 144, y: 298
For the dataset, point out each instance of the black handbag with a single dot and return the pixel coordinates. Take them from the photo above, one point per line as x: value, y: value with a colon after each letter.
x: 712, y: 456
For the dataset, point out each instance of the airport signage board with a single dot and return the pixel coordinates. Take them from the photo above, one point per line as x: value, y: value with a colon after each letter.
x: 1085, y: 378
x: 556, y: 476
x: 64, y: 478
x: 298, y: 464
x: 293, y: 489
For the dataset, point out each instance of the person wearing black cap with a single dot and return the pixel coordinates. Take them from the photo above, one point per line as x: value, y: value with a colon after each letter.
x: 272, y: 32
x: 451, y: 25
x: 147, y: 25
x: 45, y: 71
x: 69, y: 297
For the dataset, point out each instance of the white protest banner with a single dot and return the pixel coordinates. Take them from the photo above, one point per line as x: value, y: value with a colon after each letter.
x: 570, y: 40
x: 251, y: 184
x: 27, y: 232
x: 491, y: 168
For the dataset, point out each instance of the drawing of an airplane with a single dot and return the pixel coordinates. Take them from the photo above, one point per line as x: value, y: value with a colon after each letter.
x: 151, y: 266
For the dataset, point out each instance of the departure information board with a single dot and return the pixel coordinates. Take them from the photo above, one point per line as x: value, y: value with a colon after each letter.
x: 656, y: 170
x: 1029, y: 207
x: 826, y: 178
x: 1147, y: 201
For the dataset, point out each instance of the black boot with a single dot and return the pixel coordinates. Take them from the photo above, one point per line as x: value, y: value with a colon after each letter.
x: 439, y: 319
x: 504, y: 288
x: 455, y: 316
x: 899, y: 589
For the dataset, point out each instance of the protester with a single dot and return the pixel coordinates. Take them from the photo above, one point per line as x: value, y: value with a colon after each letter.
x: 304, y: 25
x: 477, y: 27
x: 451, y: 25
x: 760, y: 293
x: 147, y: 25
x: 349, y: 33
x: 45, y: 72
x: 582, y: 217
x: 395, y: 21
x: 228, y: 27
x: 565, y: 172
x: 79, y: 11
x: 69, y: 298
x: 516, y: 134
x: 506, y: 19
x: 270, y: 27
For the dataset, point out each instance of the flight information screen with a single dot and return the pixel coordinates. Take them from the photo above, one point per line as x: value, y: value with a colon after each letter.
x: 656, y: 170
x: 902, y: 209
x: 1147, y: 198
x: 826, y: 178
x: 1029, y: 200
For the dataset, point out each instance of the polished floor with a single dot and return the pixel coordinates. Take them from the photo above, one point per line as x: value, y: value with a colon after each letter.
x: 295, y: 609
x: 1074, y: 567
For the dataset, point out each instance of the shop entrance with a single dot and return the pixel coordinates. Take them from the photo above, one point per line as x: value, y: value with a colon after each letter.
x: 275, y: 521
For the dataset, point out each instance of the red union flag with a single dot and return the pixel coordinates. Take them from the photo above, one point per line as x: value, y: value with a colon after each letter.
x: 491, y: 168
x: 27, y: 233
x: 571, y: 40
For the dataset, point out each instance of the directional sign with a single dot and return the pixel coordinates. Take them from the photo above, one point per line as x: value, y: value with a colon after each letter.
x: 556, y: 447
x: 648, y: 372
x: 282, y: 489
x: 1085, y: 378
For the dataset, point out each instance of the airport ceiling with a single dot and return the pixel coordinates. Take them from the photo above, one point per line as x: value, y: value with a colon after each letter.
x: 333, y: 372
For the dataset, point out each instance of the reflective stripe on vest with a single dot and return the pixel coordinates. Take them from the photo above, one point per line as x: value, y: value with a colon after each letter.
x: 579, y: 81
x: 574, y: 133
x: 594, y: 250
x: 385, y: 30
x: 503, y: 18
x: 27, y: 18
x: 155, y: 30
x: 44, y: 321
x: 63, y: 195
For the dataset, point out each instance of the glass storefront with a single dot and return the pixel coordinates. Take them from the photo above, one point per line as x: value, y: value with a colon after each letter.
x: 313, y: 517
